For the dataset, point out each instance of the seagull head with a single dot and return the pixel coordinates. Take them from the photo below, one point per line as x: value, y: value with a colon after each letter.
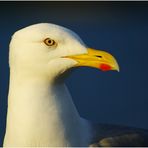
x: 49, y: 50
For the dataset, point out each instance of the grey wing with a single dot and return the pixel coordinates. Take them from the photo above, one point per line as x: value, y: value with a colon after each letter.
x: 118, y: 136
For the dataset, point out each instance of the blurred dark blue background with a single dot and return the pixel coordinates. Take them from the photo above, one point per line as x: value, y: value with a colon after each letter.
x: 120, y: 28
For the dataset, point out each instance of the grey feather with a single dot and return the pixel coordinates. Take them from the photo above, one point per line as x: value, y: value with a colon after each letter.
x: 114, y: 135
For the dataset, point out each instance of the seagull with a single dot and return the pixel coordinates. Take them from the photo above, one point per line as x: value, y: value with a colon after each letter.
x: 41, y: 112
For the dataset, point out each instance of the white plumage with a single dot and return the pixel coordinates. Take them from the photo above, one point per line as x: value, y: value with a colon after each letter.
x: 40, y: 108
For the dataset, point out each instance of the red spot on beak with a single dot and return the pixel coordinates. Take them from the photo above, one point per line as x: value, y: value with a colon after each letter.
x: 105, y: 67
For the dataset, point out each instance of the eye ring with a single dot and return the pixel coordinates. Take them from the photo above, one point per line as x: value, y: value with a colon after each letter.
x: 50, y: 42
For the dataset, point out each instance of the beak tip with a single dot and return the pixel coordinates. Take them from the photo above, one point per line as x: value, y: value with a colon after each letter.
x: 117, y: 68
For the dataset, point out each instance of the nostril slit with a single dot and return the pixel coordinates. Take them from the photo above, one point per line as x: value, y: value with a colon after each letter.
x: 98, y: 56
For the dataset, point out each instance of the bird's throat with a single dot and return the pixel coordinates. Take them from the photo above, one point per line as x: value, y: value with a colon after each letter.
x: 41, y: 114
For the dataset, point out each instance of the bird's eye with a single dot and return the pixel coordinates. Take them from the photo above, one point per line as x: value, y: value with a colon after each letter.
x: 50, y: 42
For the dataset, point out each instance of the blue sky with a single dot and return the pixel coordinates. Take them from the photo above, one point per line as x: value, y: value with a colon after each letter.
x: 120, y: 28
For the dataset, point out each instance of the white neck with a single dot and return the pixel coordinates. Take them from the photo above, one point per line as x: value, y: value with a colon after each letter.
x: 42, y: 114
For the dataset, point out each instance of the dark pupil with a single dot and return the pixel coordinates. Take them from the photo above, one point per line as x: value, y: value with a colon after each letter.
x: 49, y: 41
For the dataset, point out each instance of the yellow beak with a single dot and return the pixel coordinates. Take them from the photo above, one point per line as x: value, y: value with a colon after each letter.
x: 97, y: 59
